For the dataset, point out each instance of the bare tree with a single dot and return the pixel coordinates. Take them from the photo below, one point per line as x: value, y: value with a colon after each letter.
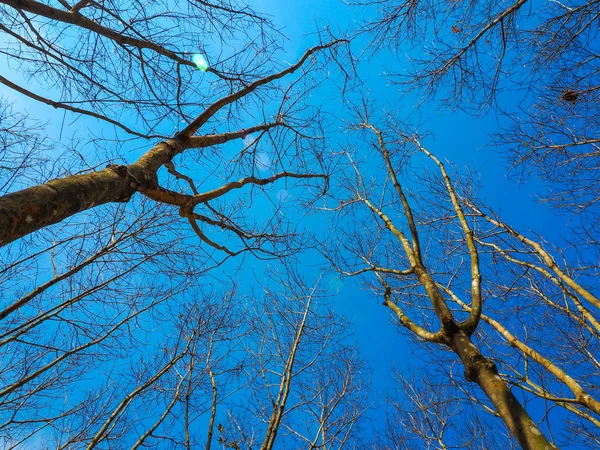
x: 426, y: 411
x: 308, y: 387
x: 135, y: 62
x: 112, y: 330
x: 31, y: 209
x: 443, y: 281
x: 536, y: 64
x: 124, y: 386
x: 187, y: 368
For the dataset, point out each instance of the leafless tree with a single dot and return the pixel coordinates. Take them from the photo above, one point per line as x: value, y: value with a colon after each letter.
x: 113, y: 330
x: 132, y: 64
x: 161, y: 367
x: 426, y: 411
x: 535, y: 63
x: 458, y: 277
x: 308, y: 387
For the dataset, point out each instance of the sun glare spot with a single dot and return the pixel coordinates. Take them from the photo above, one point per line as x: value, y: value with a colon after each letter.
x: 200, y: 62
x: 248, y: 140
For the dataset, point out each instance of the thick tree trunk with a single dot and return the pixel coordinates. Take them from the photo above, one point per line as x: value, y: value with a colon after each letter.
x: 482, y: 371
x: 31, y: 209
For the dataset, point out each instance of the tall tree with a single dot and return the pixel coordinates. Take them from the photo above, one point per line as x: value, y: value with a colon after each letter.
x: 534, y: 66
x: 135, y: 63
x: 113, y: 332
x: 227, y: 371
x: 459, y: 278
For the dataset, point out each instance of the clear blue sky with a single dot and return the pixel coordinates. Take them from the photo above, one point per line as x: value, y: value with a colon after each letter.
x: 461, y: 138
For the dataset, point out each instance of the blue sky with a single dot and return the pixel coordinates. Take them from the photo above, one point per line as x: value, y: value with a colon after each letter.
x: 460, y: 138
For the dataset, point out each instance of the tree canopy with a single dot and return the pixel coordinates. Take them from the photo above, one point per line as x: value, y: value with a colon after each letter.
x: 196, y: 221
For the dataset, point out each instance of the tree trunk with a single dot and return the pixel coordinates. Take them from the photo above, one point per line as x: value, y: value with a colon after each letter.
x: 482, y: 371
x: 31, y: 209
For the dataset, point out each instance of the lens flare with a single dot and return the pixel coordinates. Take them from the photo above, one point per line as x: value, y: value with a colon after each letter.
x: 200, y: 62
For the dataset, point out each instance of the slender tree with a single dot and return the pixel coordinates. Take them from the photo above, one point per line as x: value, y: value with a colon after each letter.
x: 309, y: 388
x: 458, y: 277
x: 534, y: 66
x: 429, y: 412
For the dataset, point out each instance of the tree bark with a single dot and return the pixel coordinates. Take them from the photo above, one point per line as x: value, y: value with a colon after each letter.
x: 31, y: 209
x: 483, y: 371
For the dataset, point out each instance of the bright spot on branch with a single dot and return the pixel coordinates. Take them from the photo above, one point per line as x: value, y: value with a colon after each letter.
x: 200, y: 62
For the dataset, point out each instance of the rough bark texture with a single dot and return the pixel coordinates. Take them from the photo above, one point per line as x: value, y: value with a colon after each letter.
x: 482, y: 371
x: 31, y: 209
x: 34, y: 208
